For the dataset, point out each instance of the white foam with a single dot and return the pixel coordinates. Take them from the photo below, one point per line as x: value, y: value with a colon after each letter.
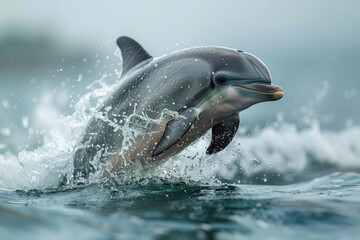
x: 283, y: 149
x: 47, y: 165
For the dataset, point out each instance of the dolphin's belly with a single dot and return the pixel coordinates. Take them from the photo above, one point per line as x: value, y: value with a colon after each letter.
x: 140, y: 151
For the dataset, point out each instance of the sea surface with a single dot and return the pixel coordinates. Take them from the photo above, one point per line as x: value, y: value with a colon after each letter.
x: 325, y: 207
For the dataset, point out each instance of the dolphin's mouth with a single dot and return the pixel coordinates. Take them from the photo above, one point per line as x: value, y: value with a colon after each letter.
x: 264, y: 88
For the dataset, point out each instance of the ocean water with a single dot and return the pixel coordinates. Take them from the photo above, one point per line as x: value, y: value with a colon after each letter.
x: 279, y: 181
x: 325, y: 207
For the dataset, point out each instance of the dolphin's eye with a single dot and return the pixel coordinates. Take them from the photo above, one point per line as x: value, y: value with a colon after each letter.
x: 221, y: 80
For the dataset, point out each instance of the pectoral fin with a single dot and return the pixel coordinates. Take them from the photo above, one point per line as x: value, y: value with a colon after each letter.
x: 176, y: 129
x: 222, y: 134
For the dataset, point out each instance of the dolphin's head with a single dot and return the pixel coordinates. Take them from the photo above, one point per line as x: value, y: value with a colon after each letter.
x: 244, y: 80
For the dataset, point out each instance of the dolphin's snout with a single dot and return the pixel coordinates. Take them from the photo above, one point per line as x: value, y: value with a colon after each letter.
x: 263, y: 91
x: 263, y: 87
x: 279, y: 94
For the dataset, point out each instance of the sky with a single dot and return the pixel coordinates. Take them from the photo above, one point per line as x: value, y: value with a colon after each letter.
x: 169, y: 25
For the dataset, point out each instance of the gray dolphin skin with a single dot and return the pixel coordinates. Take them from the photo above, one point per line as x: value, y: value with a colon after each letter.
x: 206, y: 86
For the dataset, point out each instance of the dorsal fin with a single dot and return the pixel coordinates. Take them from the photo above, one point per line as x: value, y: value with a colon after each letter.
x: 132, y: 53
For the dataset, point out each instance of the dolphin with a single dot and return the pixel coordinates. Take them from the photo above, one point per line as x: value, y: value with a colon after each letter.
x: 203, y: 87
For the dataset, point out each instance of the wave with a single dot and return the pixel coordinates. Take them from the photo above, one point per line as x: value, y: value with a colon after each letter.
x: 275, y: 154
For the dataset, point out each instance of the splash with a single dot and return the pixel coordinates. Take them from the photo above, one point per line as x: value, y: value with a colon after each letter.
x: 49, y: 164
x: 278, y: 149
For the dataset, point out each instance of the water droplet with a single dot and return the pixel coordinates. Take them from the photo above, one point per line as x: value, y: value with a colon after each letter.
x: 25, y: 122
x: 5, y: 131
x: 5, y: 103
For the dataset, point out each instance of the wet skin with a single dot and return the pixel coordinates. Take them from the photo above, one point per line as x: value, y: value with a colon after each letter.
x: 206, y: 86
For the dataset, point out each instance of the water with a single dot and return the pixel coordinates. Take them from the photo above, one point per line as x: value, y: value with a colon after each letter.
x: 279, y: 181
x: 327, y: 207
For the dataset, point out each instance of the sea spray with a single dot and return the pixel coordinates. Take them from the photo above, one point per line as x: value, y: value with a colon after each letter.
x: 280, y: 149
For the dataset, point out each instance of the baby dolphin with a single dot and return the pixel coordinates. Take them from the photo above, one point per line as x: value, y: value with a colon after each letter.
x: 206, y: 88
